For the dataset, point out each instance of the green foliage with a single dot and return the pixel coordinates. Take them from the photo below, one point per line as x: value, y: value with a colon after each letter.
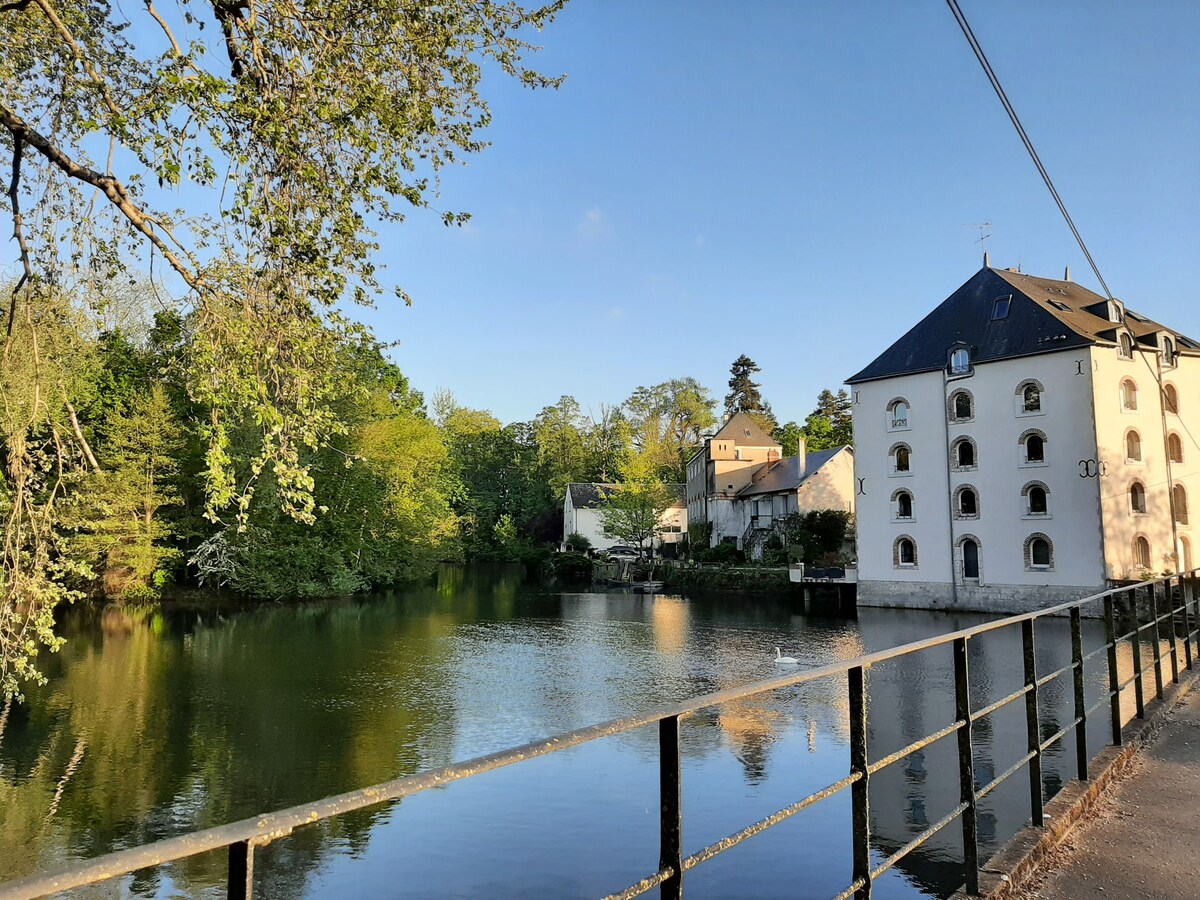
x: 829, y: 425
x: 578, y: 543
x: 633, y: 513
x: 789, y: 438
x: 666, y: 422
x: 723, y: 554
x: 817, y: 536
x: 576, y: 567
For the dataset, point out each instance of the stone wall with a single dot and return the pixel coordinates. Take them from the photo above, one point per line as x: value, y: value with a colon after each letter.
x: 991, y: 598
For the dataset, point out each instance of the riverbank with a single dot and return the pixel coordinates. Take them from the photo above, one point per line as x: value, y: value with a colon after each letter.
x: 743, y: 579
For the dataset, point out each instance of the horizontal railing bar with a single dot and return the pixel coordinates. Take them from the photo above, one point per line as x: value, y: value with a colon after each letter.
x: 646, y: 884
x: 1103, y: 648
x: 1006, y: 774
x: 1103, y: 701
x: 1003, y: 701
x: 263, y: 829
x: 914, y: 747
x: 763, y: 824
x: 1055, y: 737
x: 852, y: 890
x: 918, y: 841
x: 1046, y: 679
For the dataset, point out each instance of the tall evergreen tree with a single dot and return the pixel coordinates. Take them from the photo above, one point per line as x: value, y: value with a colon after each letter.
x: 744, y: 394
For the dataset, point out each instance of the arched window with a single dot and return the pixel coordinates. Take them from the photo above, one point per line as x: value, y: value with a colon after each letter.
x: 1128, y: 394
x: 904, y: 552
x: 897, y: 414
x: 1126, y: 349
x: 1186, y: 545
x: 901, y: 458
x: 1174, y: 447
x: 962, y: 406
x: 903, y: 508
x: 1133, y: 446
x: 960, y: 361
x: 1141, y: 552
x: 1032, y: 398
x: 1171, y: 398
x: 1179, y: 501
x: 1039, y: 552
x: 966, y: 502
x: 963, y: 453
x: 1037, y: 499
x: 1033, y: 445
x: 1137, y: 497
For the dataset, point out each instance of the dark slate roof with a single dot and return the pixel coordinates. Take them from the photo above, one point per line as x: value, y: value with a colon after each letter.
x: 783, y: 477
x: 1045, y: 315
x: 589, y: 495
x: 745, y: 431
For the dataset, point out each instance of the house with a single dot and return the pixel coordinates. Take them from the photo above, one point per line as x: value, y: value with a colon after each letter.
x: 739, y: 484
x: 584, y: 501
x: 1026, y: 434
x: 823, y: 479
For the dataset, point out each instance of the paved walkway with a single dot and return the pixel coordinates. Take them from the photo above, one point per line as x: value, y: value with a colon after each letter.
x: 1144, y: 838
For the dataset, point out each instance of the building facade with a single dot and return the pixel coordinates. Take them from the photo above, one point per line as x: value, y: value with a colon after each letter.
x: 1027, y: 434
x: 584, y: 502
x: 740, y: 484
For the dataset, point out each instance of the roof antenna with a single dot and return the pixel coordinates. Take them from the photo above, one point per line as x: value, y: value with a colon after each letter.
x: 982, y: 237
x: 1067, y: 274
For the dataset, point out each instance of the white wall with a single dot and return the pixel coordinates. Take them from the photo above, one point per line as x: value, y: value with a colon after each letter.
x: 1002, y: 526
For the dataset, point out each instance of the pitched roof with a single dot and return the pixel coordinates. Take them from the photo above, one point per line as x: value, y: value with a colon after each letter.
x: 590, y: 495
x: 784, y: 476
x: 1044, y: 315
x: 742, y: 429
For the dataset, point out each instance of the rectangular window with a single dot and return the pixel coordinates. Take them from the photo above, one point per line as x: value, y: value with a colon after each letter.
x: 1000, y: 307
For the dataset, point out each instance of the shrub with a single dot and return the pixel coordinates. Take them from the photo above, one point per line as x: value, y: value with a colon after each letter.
x: 578, y: 543
x: 572, y: 566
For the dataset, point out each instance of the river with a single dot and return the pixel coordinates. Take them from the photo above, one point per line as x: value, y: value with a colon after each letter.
x: 153, y: 724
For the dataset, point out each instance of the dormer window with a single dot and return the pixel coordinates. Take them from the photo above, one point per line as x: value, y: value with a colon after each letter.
x: 1126, y: 346
x: 1168, y: 351
x: 960, y: 361
x: 1114, y: 312
x: 1000, y: 307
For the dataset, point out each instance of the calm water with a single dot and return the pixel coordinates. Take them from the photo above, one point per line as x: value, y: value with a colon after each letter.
x: 155, y: 725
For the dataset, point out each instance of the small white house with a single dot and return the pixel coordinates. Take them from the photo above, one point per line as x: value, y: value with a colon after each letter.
x: 584, y: 501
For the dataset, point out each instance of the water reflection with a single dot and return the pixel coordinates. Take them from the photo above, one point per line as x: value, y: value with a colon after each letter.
x: 152, y: 725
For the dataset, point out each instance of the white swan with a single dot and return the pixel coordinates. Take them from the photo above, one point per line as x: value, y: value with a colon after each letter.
x: 785, y: 660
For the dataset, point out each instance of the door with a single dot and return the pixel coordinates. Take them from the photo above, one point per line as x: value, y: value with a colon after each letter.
x: 970, y: 551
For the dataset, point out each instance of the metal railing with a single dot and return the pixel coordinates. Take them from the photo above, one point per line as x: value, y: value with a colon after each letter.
x: 1173, y: 603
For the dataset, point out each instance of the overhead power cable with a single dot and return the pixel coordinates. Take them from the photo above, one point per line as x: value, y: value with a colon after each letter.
x: 1012, y: 114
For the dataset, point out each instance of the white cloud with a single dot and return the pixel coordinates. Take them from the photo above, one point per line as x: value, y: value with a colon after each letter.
x: 594, y: 225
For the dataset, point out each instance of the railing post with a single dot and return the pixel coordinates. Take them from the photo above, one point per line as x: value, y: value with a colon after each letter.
x: 966, y: 766
x: 1169, y: 591
x: 1195, y: 596
x: 1139, y: 696
x: 1157, y: 634
x: 859, y: 792
x: 1184, y: 583
x: 1032, y: 726
x: 1081, y: 750
x: 240, y: 882
x: 670, y: 791
x: 1114, y: 679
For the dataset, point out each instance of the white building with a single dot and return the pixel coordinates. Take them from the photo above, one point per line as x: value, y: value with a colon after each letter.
x: 584, y: 502
x: 1026, y: 442
x: 740, y: 485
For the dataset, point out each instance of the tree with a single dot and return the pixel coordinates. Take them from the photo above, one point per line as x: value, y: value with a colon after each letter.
x: 298, y: 141
x: 789, y: 438
x: 666, y: 424
x: 829, y: 425
x: 559, y: 430
x: 744, y: 395
x: 633, y: 512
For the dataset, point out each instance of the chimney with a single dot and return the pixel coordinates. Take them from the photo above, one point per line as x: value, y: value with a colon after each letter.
x: 800, y: 458
x: 1067, y: 274
x: 987, y: 260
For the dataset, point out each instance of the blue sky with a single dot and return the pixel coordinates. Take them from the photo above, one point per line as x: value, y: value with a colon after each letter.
x: 791, y: 180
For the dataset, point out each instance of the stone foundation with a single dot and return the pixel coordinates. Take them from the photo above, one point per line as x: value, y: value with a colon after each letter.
x: 987, y: 598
